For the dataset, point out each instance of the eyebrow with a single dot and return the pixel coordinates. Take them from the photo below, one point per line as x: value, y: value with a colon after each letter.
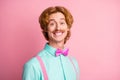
x: 54, y: 19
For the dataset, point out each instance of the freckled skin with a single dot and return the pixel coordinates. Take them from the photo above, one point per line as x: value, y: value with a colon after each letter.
x: 57, y: 30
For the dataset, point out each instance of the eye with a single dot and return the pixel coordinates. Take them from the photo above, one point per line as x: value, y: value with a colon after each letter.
x: 51, y: 23
x: 62, y: 23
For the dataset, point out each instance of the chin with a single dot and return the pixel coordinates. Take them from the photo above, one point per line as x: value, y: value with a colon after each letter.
x: 59, y: 41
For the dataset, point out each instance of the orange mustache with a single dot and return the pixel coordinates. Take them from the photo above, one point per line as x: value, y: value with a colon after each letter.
x: 58, y: 31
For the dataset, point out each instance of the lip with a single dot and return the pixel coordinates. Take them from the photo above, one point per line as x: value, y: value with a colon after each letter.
x: 58, y: 33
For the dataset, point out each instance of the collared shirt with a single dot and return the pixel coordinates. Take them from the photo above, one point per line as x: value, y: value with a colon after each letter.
x: 57, y: 68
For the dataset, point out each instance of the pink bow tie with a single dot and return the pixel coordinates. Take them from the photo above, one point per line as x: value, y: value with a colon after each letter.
x: 59, y: 51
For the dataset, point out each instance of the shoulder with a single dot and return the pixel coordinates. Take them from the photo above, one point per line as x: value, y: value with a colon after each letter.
x: 75, y: 62
x: 32, y: 63
x: 30, y: 67
x: 43, y: 53
x: 31, y: 70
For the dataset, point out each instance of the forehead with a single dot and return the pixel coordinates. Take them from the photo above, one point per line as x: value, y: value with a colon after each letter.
x: 57, y: 16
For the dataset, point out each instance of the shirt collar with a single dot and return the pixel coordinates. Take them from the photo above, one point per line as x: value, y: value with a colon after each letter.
x: 50, y: 49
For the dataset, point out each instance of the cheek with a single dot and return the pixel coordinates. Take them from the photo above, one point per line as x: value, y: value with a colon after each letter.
x: 67, y: 29
x: 51, y: 29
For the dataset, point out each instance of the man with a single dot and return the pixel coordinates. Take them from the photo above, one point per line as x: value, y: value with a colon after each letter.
x: 52, y: 63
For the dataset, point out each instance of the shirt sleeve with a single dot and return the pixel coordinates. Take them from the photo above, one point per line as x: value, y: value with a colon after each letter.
x: 30, y: 72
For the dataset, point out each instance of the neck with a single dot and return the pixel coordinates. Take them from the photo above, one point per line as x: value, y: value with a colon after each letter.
x: 57, y: 45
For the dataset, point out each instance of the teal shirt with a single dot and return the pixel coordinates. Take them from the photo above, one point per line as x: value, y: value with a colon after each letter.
x: 57, y: 68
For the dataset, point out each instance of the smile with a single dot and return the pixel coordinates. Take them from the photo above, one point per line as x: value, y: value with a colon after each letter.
x: 58, y: 33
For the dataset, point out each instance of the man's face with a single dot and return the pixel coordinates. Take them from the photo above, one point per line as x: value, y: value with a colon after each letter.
x: 57, y: 27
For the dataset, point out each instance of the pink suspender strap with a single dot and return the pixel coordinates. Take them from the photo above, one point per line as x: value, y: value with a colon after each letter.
x: 42, y: 67
x: 77, y: 76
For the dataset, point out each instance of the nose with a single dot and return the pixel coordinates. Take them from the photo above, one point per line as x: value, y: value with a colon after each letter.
x: 57, y: 26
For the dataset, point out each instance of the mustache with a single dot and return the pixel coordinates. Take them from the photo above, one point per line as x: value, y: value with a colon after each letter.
x: 56, y: 31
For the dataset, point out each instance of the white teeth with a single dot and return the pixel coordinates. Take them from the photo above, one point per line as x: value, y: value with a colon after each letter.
x: 58, y: 33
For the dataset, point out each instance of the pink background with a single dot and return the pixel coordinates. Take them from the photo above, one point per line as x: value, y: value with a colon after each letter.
x: 95, y: 40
